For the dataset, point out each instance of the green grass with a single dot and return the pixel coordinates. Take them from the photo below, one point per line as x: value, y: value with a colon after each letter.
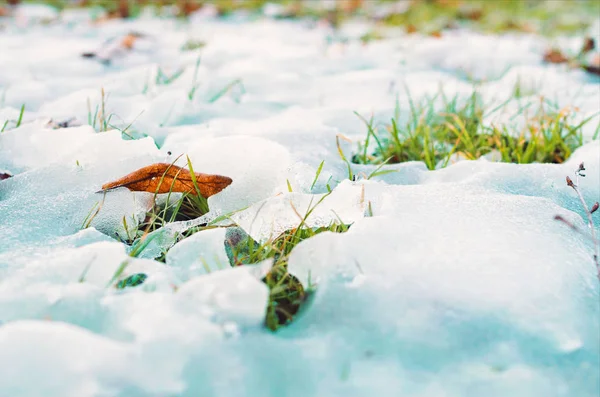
x: 435, y: 136
x: 544, y: 17
x: 17, y: 122
x: 133, y: 8
x: 287, y: 294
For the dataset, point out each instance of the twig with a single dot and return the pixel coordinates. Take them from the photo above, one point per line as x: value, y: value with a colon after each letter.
x: 588, y: 212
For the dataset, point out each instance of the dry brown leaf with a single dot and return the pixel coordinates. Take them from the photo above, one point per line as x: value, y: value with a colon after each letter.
x: 165, y: 178
x: 187, y: 7
x: 128, y: 40
x: 555, y: 56
x: 4, y: 175
x: 588, y: 45
x: 123, y: 9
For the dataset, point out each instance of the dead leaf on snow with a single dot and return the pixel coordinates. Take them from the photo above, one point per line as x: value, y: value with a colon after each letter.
x: 588, y: 45
x: 72, y: 122
x: 4, y: 175
x: 128, y: 40
x: 115, y: 47
x: 187, y: 7
x: 555, y: 56
x: 165, y: 178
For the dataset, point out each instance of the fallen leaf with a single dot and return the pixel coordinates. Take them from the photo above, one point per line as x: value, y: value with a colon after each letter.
x: 72, y: 122
x: 4, y: 175
x: 588, y: 45
x: 187, y: 7
x: 165, y: 178
x: 115, y: 47
x: 123, y: 9
x: 554, y: 56
x: 129, y: 39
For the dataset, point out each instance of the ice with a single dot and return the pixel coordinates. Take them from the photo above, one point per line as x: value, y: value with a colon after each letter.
x: 66, y: 283
x: 60, y: 193
x: 268, y: 219
x: 236, y: 295
x: 201, y: 253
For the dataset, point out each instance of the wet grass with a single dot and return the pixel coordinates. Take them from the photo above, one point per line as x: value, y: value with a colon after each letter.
x: 456, y: 131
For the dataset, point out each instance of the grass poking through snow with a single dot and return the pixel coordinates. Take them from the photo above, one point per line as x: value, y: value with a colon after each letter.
x: 439, y: 136
x: 287, y: 294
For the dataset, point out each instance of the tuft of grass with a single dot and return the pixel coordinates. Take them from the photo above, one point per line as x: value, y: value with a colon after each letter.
x: 132, y: 281
x: 195, y: 84
x: 435, y: 136
x: 17, y: 122
x: 163, y: 78
x: 371, y: 36
x: 287, y: 294
x: 20, y: 119
x: 228, y: 88
x: 99, y: 120
x: 192, y: 45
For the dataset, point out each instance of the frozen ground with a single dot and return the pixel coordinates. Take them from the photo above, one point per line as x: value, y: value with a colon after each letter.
x: 460, y: 284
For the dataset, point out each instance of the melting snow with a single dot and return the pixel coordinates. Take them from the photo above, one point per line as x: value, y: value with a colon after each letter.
x: 459, y: 284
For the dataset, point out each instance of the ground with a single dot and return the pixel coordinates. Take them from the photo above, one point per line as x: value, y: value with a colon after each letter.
x: 391, y: 223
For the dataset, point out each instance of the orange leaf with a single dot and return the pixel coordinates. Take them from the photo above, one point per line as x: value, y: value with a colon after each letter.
x: 128, y: 40
x: 555, y: 56
x: 165, y: 178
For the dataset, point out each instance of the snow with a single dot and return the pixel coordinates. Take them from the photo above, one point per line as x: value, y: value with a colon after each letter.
x: 453, y: 282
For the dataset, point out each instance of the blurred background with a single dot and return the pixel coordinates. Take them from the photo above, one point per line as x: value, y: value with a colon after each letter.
x: 429, y: 16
